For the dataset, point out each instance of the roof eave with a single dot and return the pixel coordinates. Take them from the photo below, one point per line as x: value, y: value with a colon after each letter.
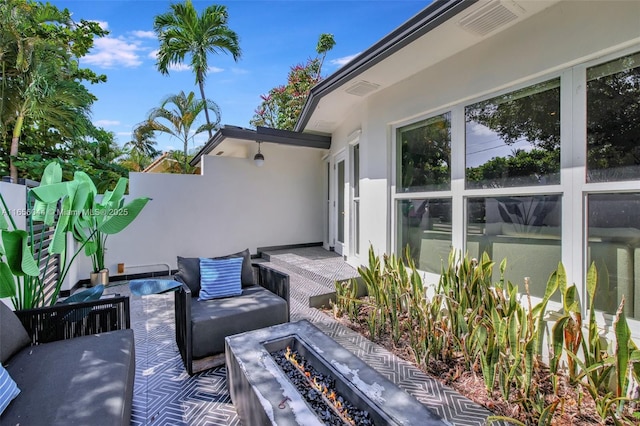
x: 263, y: 134
x: 420, y: 24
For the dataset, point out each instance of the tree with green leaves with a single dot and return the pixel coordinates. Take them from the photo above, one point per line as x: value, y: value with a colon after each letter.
x: 41, y: 81
x: 281, y: 107
x: 143, y: 141
x: 183, y: 33
x: 177, y: 115
x: 135, y: 161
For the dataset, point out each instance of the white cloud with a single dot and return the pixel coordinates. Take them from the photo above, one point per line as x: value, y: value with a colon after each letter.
x: 481, y: 130
x: 106, y: 123
x: 103, y: 24
x: 215, y: 69
x: 109, y: 52
x: 179, y: 67
x: 144, y: 34
x: 153, y: 54
x: 344, y: 60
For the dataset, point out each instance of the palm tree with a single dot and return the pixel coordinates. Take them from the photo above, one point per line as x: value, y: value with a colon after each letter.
x: 142, y: 141
x: 177, y: 120
x: 182, y: 32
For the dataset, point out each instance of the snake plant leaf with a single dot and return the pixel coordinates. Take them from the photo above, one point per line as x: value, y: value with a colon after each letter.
x: 7, y: 281
x: 19, y: 256
x: 557, y: 343
x: 123, y: 217
x: 529, y: 353
x: 571, y: 299
x: 623, y: 336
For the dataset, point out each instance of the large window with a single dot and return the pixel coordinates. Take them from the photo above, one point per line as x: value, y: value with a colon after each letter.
x: 524, y: 230
x: 424, y: 155
x: 613, y: 120
x: 514, y: 139
x: 424, y: 226
x: 614, y: 245
x: 486, y: 177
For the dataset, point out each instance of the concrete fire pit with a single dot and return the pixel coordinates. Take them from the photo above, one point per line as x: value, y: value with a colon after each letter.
x: 263, y: 394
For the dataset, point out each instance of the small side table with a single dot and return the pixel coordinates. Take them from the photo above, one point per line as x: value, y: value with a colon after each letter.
x: 147, y: 286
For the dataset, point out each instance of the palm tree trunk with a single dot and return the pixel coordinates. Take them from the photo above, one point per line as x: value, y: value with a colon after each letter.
x: 204, y: 99
x: 184, y: 164
x: 13, y: 153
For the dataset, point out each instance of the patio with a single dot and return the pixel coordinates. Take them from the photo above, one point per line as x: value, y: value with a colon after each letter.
x: 165, y: 394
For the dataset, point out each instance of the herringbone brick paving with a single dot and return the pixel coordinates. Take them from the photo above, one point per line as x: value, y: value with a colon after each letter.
x: 164, y: 394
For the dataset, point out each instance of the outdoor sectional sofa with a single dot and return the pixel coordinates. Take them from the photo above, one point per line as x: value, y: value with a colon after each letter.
x: 202, y: 325
x: 74, y: 364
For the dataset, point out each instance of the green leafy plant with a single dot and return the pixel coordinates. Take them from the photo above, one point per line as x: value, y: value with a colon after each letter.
x: 98, y: 217
x: 70, y: 207
x: 25, y: 262
x: 493, y: 328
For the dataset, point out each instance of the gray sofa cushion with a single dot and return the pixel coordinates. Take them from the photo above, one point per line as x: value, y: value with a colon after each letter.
x: 13, y: 335
x: 189, y: 273
x: 82, y: 381
x: 213, y: 320
x: 189, y: 270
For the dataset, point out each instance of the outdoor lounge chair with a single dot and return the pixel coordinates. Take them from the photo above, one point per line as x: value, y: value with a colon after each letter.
x: 73, y: 363
x: 202, y: 325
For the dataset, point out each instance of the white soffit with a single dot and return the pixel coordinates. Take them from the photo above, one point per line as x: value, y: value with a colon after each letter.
x: 491, y: 17
x: 231, y: 147
x: 435, y: 46
x: 362, y: 88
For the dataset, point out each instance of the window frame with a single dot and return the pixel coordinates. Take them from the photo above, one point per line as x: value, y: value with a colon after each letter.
x: 573, y: 187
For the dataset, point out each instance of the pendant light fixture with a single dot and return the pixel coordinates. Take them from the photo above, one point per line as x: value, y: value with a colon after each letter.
x: 259, y: 158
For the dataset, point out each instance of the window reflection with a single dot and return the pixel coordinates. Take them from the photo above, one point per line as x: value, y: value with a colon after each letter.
x: 424, y: 225
x: 524, y: 230
x: 614, y: 245
x: 424, y: 155
x: 514, y: 139
x: 613, y: 120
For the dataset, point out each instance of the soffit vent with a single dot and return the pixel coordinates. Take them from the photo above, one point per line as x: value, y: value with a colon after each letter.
x: 491, y: 17
x: 361, y: 88
x: 323, y: 125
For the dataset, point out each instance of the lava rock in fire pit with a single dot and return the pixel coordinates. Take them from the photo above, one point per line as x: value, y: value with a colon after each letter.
x: 319, y: 391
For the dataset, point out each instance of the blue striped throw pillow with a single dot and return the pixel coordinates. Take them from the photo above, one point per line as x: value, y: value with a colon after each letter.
x: 8, y: 388
x: 220, y: 278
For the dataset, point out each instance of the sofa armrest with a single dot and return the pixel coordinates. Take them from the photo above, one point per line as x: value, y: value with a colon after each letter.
x: 66, y: 321
x: 182, y: 304
x: 275, y: 281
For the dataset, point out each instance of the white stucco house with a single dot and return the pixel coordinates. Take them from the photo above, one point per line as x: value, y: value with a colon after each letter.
x: 506, y: 126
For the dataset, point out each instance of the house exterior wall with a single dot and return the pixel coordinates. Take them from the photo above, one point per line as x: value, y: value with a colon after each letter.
x: 559, y: 42
x: 231, y: 206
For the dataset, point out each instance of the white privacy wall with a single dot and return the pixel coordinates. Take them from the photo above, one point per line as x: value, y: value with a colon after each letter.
x: 231, y: 206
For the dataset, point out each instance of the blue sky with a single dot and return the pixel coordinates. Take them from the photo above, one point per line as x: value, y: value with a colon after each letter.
x: 274, y: 35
